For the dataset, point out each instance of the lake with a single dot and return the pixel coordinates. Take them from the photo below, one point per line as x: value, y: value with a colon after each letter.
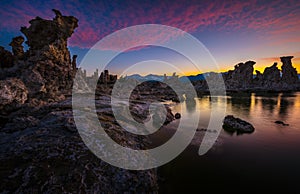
x: 268, y: 158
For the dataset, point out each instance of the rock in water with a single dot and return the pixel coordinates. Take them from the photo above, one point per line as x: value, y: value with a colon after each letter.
x: 281, y: 123
x: 233, y: 124
x: 177, y: 116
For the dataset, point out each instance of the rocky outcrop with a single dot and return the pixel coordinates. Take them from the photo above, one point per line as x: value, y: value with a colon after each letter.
x: 17, y: 47
x: 271, y: 74
x: 42, y: 152
x: 49, y: 57
x: 272, y: 79
x: 6, y: 58
x: 241, y: 77
x: 289, y: 73
x: 232, y: 124
x: 46, y: 68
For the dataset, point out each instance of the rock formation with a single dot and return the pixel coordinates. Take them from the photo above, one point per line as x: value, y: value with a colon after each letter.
x: 41, y: 150
x: 46, y: 68
x: 289, y: 73
x: 106, y: 78
x: 241, y: 77
x: 17, y: 47
x: 49, y: 57
x: 6, y: 58
x: 270, y: 79
x: 271, y: 74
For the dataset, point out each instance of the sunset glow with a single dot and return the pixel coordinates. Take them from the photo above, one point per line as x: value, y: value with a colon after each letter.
x: 233, y: 32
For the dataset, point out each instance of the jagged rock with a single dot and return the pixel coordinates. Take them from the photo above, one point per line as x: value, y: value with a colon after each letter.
x: 289, y: 73
x: 41, y: 151
x: 271, y: 74
x: 74, y: 62
x: 6, y: 58
x: 49, y: 56
x: 241, y: 77
x: 258, y: 80
x: 13, y: 93
x: 17, y: 47
x: 232, y: 124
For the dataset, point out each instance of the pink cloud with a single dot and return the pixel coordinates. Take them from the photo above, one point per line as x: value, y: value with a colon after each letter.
x: 96, y: 20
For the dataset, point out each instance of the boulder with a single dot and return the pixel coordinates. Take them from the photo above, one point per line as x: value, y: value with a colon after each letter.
x: 177, y: 115
x: 233, y: 124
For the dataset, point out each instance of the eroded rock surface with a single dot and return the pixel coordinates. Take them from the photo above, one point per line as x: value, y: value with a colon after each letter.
x: 41, y: 150
x: 13, y: 93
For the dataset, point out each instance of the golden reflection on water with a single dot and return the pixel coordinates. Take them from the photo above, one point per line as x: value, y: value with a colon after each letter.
x: 262, y: 110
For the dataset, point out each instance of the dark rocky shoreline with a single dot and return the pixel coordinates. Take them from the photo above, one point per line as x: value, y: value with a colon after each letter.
x: 41, y: 149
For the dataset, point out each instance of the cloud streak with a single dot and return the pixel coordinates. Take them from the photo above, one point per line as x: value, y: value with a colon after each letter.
x: 272, y: 19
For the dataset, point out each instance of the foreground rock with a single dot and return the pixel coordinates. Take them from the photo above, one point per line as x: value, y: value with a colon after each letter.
x: 46, y: 68
x: 232, y: 124
x: 13, y: 93
x: 41, y: 150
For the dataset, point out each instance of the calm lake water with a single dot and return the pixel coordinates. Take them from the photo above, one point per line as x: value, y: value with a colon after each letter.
x: 268, y: 158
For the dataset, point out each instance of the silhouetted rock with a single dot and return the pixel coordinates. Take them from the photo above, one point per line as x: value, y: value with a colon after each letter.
x: 17, y: 47
x: 271, y: 78
x: 241, y: 77
x: 6, y: 58
x: 271, y: 74
x: 289, y: 73
x: 177, y: 115
x: 258, y: 80
x: 281, y: 123
x: 230, y: 123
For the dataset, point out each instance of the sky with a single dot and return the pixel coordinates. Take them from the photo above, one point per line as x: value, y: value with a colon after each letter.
x: 232, y: 31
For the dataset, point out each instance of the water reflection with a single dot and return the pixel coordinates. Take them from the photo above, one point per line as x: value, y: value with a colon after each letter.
x: 261, y: 109
x: 270, y: 146
x: 190, y: 105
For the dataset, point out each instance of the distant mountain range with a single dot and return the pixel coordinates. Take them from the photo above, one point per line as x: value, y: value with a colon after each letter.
x: 161, y: 77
